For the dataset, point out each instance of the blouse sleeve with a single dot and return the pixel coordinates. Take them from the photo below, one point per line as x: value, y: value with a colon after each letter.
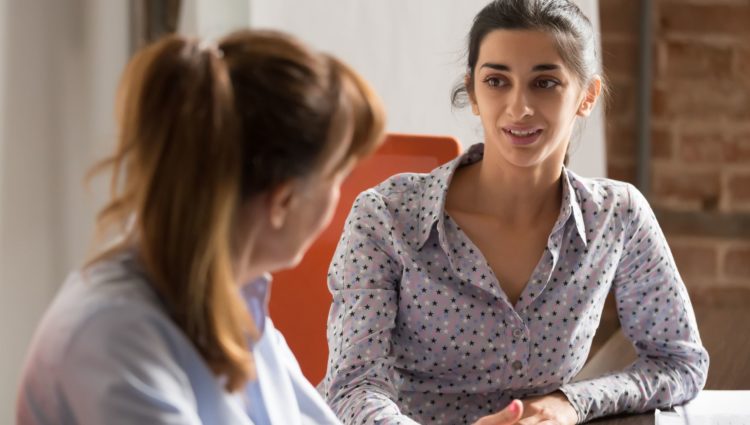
x: 656, y: 315
x: 364, y: 277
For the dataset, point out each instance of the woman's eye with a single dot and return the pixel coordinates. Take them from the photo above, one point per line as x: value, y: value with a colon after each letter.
x: 546, y: 84
x: 493, y: 81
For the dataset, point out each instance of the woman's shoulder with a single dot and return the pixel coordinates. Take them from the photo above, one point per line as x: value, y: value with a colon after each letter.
x: 400, y: 185
x: 114, y: 286
x: 398, y: 193
x: 104, y: 305
x: 403, y: 191
x: 107, y: 318
x: 604, y: 194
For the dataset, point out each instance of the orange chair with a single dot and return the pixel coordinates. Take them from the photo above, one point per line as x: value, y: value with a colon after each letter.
x: 300, y: 301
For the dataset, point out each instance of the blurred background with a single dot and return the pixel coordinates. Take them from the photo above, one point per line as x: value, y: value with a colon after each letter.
x: 677, y: 123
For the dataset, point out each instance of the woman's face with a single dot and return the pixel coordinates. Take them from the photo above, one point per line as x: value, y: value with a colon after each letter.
x: 310, y: 213
x: 292, y: 216
x: 526, y: 97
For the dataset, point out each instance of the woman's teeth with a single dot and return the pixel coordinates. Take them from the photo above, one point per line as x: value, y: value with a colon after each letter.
x: 520, y: 133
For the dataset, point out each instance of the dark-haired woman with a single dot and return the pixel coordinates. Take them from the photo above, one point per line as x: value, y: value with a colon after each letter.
x: 229, y: 163
x: 483, y: 281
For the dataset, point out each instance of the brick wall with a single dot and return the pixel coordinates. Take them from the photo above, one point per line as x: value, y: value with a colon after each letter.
x: 700, y: 130
x: 700, y: 136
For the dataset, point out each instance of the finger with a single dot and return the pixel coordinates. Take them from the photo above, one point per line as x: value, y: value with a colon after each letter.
x: 507, y: 416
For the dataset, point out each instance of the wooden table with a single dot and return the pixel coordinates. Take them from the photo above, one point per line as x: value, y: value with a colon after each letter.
x: 642, y: 419
x: 725, y: 332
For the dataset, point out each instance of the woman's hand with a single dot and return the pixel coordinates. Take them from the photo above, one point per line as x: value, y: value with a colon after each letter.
x: 508, y: 416
x: 551, y: 409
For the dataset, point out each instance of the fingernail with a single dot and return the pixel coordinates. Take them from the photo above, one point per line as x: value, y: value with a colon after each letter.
x: 514, y: 406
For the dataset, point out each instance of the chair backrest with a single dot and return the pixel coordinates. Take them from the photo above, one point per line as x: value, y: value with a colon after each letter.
x: 300, y: 299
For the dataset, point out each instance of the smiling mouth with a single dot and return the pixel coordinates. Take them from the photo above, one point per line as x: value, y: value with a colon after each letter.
x: 522, y: 137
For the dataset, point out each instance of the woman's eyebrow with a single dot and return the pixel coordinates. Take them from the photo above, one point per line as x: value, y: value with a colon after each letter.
x: 536, y: 68
x: 495, y: 66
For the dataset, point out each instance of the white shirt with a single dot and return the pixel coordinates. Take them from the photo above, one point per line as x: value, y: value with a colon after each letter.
x: 107, y: 352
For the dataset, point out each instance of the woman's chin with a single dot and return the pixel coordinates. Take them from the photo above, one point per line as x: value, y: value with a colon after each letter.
x: 293, y: 261
x: 524, y: 156
x: 524, y: 159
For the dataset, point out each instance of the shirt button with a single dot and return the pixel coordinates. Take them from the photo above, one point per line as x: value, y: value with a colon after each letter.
x: 517, y: 365
x: 518, y: 333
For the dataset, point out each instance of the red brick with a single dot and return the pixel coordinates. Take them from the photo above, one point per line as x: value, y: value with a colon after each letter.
x: 724, y: 297
x: 695, y: 262
x: 622, y: 172
x: 737, y: 149
x: 737, y: 263
x: 701, y: 190
x: 715, y: 147
x: 702, y: 100
x: 661, y: 143
x: 619, y: 17
x: 739, y: 188
x: 620, y: 57
x: 660, y: 102
x: 621, y: 104
x: 698, y: 60
x: 742, y: 63
x: 702, y: 147
x: 701, y: 19
x: 621, y: 140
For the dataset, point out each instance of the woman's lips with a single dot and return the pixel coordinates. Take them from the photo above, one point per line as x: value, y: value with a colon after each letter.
x: 521, y: 137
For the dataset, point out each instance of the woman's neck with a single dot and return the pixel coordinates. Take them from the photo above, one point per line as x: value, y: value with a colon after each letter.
x: 245, y: 236
x: 515, y: 195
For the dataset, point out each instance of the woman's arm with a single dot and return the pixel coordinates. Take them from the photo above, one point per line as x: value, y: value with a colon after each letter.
x: 363, y: 277
x: 656, y: 315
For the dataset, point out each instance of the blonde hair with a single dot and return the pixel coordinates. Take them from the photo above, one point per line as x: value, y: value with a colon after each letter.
x: 201, y: 130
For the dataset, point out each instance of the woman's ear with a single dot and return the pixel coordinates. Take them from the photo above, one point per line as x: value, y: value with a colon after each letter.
x: 592, y: 93
x: 280, y: 200
x: 470, y: 92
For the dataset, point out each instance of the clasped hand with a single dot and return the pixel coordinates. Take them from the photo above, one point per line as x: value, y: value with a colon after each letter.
x: 551, y: 409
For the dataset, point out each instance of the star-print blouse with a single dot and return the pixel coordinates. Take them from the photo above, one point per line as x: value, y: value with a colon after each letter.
x: 420, y: 330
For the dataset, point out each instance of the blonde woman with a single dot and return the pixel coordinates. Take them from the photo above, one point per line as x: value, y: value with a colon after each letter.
x: 229, y: 163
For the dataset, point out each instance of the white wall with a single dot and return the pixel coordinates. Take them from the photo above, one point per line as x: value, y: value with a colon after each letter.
x: 3, y: 36
x: 589, y: 155
x: 213, y: 18
x: 60, y: 62
x: 412, y: 52
x: 29, y: 192
x: 59, y: 65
